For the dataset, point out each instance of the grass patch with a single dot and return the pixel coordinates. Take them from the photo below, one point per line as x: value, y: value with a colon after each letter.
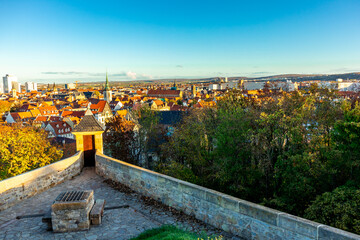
x: 166, y: 232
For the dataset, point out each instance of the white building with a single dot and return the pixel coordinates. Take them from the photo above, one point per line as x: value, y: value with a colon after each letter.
x: 70, y: 86
x: 30, y: 86
x: 229, y: 85
x: 8, y: 83
x: 214, y: 86
x: 348, y: 86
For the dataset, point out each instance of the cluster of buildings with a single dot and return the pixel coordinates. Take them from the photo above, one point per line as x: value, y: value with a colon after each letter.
x: 59, y: 110
x: 10, y: 83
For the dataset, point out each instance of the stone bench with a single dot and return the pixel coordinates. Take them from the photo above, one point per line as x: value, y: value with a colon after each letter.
x: 97, y: 212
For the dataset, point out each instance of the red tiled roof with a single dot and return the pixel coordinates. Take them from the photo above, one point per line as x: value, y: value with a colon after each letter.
x: 98, y: 107
x: 152, y: 92
x: 61, y: 127
x: 78, y: 114
x: 48, y: 110
x: 178, y: 108
x: 26, y: 107
x: 41, y: 119
x: 21, y: 115
x: 54, y: 118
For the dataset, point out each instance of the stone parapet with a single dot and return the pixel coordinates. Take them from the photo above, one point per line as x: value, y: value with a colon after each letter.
x: 17, y: 188
x: 240, y: 217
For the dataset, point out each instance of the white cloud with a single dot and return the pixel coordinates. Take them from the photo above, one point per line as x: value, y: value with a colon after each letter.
x: 131, y: 75
x: 146, y: 76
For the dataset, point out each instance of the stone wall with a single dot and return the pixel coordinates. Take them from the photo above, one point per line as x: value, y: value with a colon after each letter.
x: 15, y: 189
x: 243, y: 218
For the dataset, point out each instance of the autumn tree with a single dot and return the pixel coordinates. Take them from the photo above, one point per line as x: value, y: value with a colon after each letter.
x: 119, y: 139
x: 23, y: 149
x: 5, y: 106
x: 148, y: 134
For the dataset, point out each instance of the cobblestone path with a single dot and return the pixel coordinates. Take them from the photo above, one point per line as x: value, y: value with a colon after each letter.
x: 118, y: 223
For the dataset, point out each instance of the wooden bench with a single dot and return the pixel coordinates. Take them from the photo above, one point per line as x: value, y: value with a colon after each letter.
x: 97, y: 212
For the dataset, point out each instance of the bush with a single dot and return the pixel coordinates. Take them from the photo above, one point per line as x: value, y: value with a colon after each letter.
x: 166, y: 232
x: 339, y: 208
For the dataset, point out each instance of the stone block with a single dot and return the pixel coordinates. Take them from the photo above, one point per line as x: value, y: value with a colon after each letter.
x: 299, y: 225
x: 330, y: 233
x: 258, y: 212
x: 67, y: 216
x: 97, y: 212
x: 213, y: 197
x: 230, y: 203
x: 192, y: 190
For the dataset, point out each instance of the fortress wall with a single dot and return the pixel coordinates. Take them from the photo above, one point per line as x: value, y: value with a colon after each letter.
x: 17, y: 188
x: 243, y: 218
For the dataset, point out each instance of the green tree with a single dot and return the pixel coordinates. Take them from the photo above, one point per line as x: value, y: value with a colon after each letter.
x: 190, y: 148
x: 339, y: 208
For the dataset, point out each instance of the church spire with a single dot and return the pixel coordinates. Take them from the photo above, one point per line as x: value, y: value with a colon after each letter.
x: 107, y: 88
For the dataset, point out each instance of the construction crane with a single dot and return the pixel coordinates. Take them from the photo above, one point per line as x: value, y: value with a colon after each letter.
x: 76, y: 82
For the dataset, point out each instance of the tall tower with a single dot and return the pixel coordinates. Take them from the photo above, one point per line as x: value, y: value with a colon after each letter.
x: 107, y: 92
x: 13, y: 92
x: 8, y: 81
x: 193, y: 90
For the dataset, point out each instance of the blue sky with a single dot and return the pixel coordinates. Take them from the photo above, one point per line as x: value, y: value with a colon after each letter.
x: 68, y: 40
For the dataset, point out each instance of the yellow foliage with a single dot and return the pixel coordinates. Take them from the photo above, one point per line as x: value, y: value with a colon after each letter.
x: 4, y: 106
x: 23, y: 149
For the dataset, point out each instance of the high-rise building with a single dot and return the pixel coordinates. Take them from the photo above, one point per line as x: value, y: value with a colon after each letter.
x: 30, y: 86
x: 16, y: 86
x: 70, y: 86
x: 9, y: 81
x: 193, y: 90
x: 1, y: 87
x: 107, y: 91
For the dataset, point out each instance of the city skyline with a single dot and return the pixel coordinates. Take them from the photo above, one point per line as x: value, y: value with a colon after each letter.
x: 64, y: 41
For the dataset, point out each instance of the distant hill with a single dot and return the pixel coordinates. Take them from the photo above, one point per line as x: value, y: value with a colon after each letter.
x: 280, y: 77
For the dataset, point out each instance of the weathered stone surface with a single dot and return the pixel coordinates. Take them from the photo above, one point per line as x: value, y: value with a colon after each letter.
x: 258, y: 212
x: 246, y: 219
x: 330, y: 233
x: 72, y: 216
x: 15, y: 189
x: 97, y: 212
x: 299, y: 225
x: 119, y: 223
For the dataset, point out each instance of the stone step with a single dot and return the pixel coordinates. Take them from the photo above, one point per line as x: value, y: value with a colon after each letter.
x: 47, y: 219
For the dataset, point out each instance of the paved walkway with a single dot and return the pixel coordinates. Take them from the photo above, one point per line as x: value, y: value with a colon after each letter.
x: 118, y: 223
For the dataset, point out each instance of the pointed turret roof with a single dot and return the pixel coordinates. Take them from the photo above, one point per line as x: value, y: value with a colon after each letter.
x: 89, y: 123
x: 107, y: 88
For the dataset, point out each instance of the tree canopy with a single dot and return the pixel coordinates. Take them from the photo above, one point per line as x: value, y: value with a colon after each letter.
x: 24, y: 148
x: 269, y: 150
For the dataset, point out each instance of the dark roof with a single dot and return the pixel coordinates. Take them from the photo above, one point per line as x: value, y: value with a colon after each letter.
x: 88, y: 94
x: 89, y: 124
x: 171, y: 117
